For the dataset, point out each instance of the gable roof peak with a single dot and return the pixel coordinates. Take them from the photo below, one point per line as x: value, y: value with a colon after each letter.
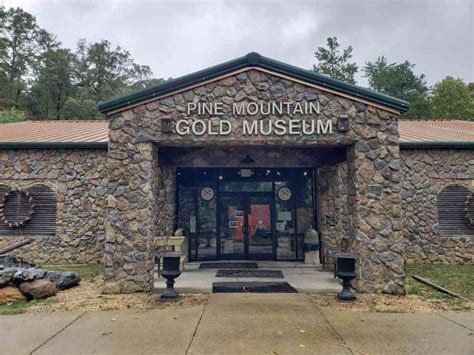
x: 255, y: 60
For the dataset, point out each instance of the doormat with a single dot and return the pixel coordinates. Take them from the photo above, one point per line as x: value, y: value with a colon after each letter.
x: 252, y: 287
x: 228, y: 266
x: 271, y: 274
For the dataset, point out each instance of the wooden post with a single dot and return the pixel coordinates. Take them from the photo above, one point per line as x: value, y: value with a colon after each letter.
x: 14, y: 246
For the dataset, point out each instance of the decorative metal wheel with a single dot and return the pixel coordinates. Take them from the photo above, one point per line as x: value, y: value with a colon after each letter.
x: 16, y: 208
x: 469, y: 209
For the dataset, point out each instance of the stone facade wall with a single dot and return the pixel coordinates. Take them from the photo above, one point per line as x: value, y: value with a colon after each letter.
x: 426, y: 172
x: 373, y: 165
x: 79, y: 179
x: 334, y: 228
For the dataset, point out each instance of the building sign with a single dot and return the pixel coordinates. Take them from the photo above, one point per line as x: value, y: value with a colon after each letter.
x: 280, y: 126
x: 253, y: 108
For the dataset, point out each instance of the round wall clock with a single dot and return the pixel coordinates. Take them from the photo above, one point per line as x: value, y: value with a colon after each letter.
x: 207, y: 193
x: 284, y: 193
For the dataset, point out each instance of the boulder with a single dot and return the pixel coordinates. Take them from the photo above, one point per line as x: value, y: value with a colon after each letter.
x: 63, y: 280
x: 8, y: 261
x: 10, y: 294
x: 22, y: 275
x: 6, y: 276
x: 38, y: 289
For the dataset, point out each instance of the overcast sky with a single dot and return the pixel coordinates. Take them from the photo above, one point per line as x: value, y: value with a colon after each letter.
x: 176, y: 38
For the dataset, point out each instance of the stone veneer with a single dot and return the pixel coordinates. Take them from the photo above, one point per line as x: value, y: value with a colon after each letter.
x: 334, y: 228
x: 136, y: 191
x: 426, y: 172
x: 79, y: 179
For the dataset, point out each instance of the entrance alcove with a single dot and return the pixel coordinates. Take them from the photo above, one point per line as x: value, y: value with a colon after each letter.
x: 254, y: 203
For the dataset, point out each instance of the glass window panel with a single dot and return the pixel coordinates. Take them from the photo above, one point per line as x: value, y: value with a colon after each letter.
x: 241, y: 186
x: 285, y: 231
x: 206, y: 226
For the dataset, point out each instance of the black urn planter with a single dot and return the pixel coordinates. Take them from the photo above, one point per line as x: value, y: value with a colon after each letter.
x: 170, y: 271
x: 345, y: 270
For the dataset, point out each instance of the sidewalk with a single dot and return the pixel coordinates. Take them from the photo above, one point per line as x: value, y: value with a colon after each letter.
x: 238, y: 324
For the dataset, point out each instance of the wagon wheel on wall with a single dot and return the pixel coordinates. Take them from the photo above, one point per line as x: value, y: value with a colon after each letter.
x: 469, y: 209
x: 16, y: 208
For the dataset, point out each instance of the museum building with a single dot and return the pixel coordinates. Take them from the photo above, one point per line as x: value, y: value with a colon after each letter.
x: 244, y: 158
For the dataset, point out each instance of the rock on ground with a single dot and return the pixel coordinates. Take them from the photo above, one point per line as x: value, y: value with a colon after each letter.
x: 30, y: 274
x: 6, y: 276
x: 63, y: 280
x: 12, y: 261
x: 10, y: 294
x: 38, y: 289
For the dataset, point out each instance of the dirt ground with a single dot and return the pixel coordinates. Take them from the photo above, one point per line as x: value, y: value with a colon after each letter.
x: 389, y: 304
x: 87, y: 297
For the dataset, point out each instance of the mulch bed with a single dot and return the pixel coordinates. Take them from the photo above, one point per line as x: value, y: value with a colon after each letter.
x: 385, y: 303
x: 87, y: 297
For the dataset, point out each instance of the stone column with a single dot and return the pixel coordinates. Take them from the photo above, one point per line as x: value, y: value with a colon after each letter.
x: 375, y: 206
x: 131, y: 212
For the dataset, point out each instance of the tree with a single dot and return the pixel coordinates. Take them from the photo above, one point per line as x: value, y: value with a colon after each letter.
x: 22, y: 43
x: 12, y: 115
x: 451, y: 98
x: 471, y: 89
x: 399, y: 80
x: 143, y: 84
x: 76, y: 109
x: 47, y: 81
x: 105, y: 72
x: 331, y: 62
x: 53, y: 85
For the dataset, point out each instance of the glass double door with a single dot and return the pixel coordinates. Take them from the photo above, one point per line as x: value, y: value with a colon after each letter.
x: 246, y: 226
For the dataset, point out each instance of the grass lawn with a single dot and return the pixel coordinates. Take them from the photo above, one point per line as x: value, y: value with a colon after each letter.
x: 87, y: 272
x: 457, y: 278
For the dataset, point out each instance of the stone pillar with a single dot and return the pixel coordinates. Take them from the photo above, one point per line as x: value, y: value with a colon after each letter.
x: 131, y: 212
x: 375, y: 206
x: 333, y: 208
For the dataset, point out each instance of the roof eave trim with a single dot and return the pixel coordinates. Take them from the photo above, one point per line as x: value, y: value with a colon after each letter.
x: 173, y: 85
x: 437, y: 145
x: 334, y: 84
x: 53, y: 145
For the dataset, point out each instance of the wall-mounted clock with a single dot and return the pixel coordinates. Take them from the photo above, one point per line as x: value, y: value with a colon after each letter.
x: 284, y: 193
x: 207, y: 193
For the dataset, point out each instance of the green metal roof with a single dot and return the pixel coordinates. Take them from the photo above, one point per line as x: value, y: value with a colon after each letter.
x: 437, y: 145
x: 255, y: 60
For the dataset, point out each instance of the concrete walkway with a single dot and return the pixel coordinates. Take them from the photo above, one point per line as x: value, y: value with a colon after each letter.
x: 238, y: 324
x: 302, y: 277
